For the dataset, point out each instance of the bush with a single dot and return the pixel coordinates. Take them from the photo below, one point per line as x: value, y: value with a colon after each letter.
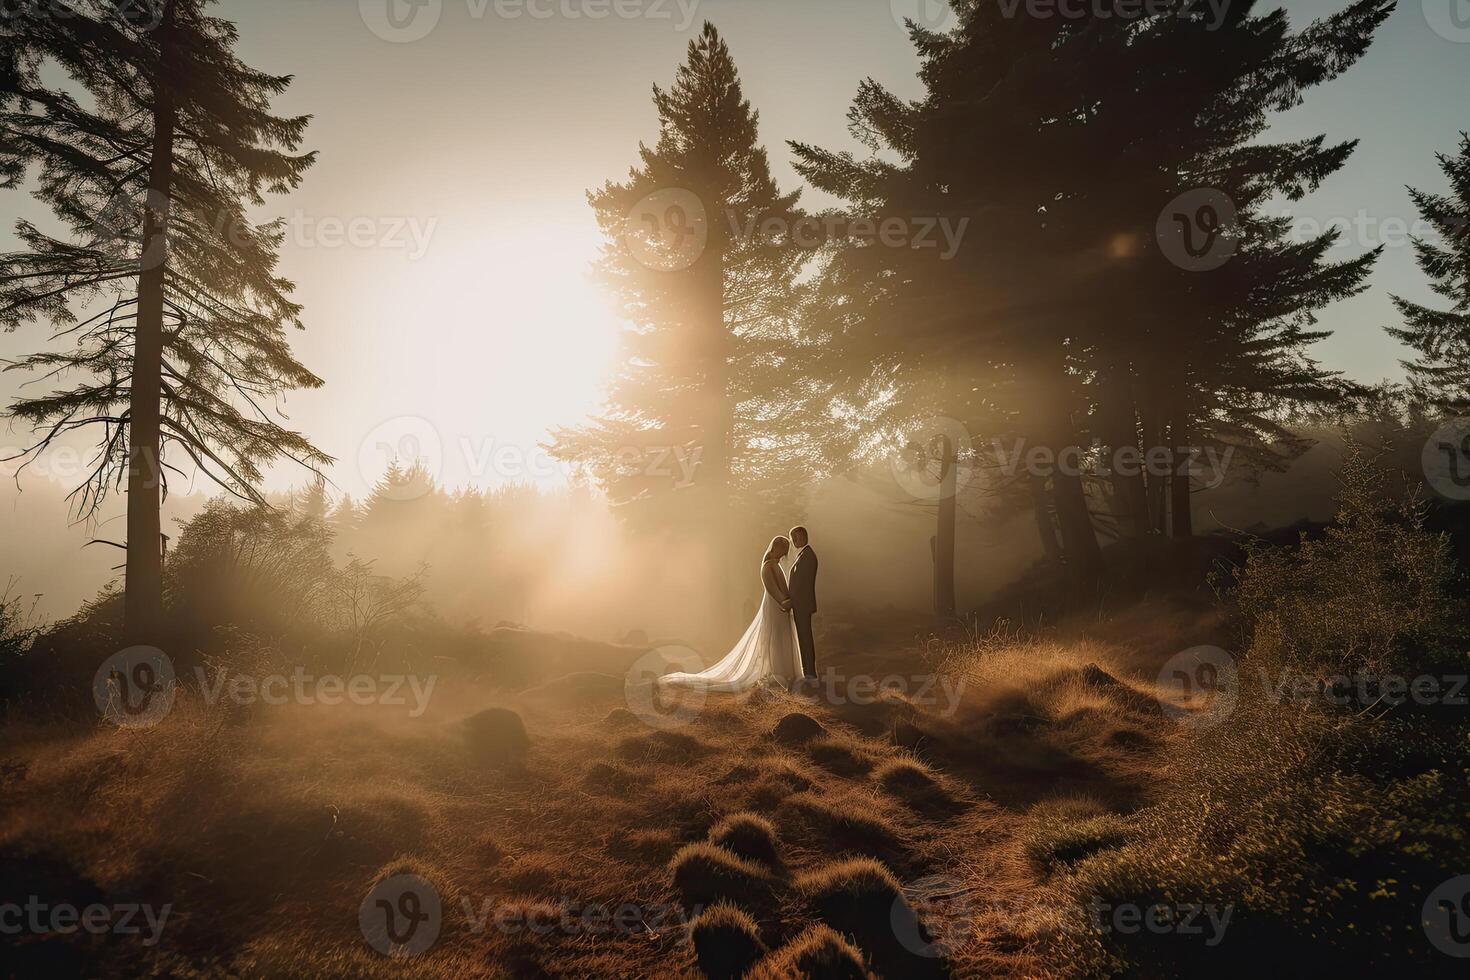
x: 1375, y: 593
x: 18, y: 627
x: 1315, y: 834
x: 916, y: 786
x: 838, y: 758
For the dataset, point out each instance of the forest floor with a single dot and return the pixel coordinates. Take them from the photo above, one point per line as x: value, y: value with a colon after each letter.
x: 264, y: 831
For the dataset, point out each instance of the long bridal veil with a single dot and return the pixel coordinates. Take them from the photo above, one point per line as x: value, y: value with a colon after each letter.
x: 768, y: 650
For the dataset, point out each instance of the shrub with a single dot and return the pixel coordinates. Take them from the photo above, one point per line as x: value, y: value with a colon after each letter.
x: 612, y: 779
x: 916, y: 786
x: 1319, y: 832
x: 1286, y: 819
x: 1375, y: 593
x: 18, y: 625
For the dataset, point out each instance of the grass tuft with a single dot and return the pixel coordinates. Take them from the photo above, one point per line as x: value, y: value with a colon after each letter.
x: 497, y: 735
x: 750, y: 837
x: 839, y: 825
x: 819, y: 953
x: 838, y: 757
x: 861, y: 898
x: 726, y: 940
x: 705, y: 874
x: 667, y: 748
x: 797, y: 729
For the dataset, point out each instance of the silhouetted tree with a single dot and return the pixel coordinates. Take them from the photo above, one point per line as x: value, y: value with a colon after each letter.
x: 697, y: 420
x: 1212, y: 356
x: 181, y: 330
x: 1442, y: 336
x: 1061, y: 140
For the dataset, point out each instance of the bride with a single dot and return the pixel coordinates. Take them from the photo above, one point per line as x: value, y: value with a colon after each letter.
x: 768, y: 648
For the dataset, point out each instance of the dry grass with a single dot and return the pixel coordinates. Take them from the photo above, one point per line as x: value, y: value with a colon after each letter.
x: 266, y: 836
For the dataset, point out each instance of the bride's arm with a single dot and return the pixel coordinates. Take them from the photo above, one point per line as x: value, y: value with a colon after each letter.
x: 771, y: 576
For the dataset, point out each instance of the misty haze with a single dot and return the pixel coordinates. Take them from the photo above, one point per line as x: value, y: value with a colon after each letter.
x: 734, y: 489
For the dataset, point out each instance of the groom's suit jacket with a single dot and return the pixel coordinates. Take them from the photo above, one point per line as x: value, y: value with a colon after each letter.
x: 803, y: 585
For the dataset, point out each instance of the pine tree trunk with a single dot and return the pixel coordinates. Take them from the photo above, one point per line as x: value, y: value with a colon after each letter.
x: 717, y: 413
x: 1046, y: 525
x: 944, y: 541
x: 143, y: 598
x: 1079, y: 538
x: 1155, y: 490
x: 1130, y: 497
x: 1180, y: 507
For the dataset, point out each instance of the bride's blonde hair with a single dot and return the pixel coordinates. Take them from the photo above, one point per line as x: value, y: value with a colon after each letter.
x: 779, y: 541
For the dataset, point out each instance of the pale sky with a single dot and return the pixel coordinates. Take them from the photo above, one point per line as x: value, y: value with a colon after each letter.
x: 443, y: 241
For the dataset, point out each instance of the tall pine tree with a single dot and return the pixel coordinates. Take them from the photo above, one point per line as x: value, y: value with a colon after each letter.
x: 166, y: 293
x: 1441, y: 336
x: 694, y: 426
x: 1061, y: 140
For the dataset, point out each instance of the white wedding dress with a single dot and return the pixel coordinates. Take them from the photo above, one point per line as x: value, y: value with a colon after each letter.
x: 767, y: 651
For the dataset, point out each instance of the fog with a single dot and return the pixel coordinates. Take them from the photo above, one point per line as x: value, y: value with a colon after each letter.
x: 563, y: 560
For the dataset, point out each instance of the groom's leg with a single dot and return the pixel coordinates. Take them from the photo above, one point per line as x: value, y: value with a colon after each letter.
x: 807, y: 644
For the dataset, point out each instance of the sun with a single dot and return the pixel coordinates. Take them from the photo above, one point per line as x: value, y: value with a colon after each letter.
x: 499, y: 333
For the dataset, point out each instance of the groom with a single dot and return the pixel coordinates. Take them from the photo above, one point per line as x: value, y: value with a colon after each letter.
x: 803, y: 590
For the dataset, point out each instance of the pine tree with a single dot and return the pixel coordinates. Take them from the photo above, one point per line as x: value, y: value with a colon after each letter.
x: 1441, y: 372
x: 1214, y: 358
x: 1060, y: 140
x: 697, y: 424
x: 165, y: 291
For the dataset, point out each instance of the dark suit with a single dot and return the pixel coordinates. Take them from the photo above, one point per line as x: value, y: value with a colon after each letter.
x: 803, y: 591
